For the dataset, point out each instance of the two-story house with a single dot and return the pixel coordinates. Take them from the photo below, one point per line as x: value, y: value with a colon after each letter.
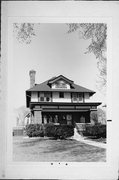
x: 59, y: 100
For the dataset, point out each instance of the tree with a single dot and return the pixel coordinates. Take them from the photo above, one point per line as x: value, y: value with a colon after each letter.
x: 94, y: 117
x: 21, y: 113
x: 24, y: 32
x: 101, y: 115
x: 97, y: 32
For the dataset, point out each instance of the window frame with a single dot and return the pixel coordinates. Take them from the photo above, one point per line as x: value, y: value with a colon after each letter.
x: 61, y: 94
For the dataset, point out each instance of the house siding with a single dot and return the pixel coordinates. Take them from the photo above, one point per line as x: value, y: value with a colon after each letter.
x: 55, y: 97
x: 75, y: 97
x: 34, y: 97
x: 86, y: 97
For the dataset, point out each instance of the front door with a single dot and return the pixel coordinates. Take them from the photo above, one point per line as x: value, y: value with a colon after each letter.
x: 62, y: 118
x: 65, y: 118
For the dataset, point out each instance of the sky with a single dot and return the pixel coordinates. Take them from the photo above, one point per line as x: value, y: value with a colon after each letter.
x: 53, y: 52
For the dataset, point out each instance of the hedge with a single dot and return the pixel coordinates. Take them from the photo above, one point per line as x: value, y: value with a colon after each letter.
x: 34, y: 130
x: 50, y: 130
x: 95, y: 131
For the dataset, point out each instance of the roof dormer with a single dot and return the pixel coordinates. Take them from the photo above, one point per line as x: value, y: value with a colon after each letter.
x: 60, y: 82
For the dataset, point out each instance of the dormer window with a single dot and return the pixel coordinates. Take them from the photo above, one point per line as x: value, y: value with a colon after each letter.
x: 61, y: 84
x: 61, y: 94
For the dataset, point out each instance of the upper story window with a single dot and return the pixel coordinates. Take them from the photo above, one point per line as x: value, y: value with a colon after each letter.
x: 44, y: 96
x: 74, y: 96
x: 61, y: 95
x: 60, y: 84
x: 80, y: 96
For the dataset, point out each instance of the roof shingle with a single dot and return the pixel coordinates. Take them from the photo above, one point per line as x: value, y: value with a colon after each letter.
x: 45, y: 87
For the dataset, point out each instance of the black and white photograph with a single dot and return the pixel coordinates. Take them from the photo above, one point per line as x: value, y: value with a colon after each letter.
x: 59, y: 90
x: 60, y: 100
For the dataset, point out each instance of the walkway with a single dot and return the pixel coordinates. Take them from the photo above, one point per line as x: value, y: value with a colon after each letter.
x: 80, y: 138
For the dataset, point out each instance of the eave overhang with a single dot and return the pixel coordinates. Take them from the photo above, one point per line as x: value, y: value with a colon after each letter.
x: 60, y: 105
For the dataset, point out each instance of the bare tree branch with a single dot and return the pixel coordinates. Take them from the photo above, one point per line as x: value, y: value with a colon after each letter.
x: 97, y: 32
x: 24, y: 32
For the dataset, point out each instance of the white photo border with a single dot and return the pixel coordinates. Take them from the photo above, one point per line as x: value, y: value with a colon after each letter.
x: 45, y: 170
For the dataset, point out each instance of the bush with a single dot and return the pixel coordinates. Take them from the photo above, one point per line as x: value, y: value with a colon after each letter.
x: 95, y: 131
x: 34, y: 130
x: 58, y: 131
x: 94, y: 117
x: 50, y: 130
x: 101, y: 115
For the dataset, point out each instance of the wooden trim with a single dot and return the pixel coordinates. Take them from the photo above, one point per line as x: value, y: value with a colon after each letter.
x: 51, y: 97
x: 67, y: 103
x: 65, y: 110
x: 83, y: 97
x: 71, y: 97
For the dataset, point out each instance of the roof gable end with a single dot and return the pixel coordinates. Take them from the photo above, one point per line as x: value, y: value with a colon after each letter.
x: 58, y: 78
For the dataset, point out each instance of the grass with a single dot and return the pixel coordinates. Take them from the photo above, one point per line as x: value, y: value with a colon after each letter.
x: 101, y: 140
x: 45, y: 150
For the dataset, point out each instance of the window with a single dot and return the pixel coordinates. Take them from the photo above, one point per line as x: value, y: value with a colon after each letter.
x: 61, y: 84
x: 61, y: 95
x: 47, y: 99
x: 74, y: 95
x: 47, y: 96
x: 80, y: 96
x: 41, y: 98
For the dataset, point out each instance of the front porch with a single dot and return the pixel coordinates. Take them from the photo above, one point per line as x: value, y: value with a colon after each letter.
x: 62, y: 113
x: 66, y: 117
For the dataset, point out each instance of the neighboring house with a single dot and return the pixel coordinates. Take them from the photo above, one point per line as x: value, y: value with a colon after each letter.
x: 20, y: 120
x: 27, y: 119
x: 59, y: 100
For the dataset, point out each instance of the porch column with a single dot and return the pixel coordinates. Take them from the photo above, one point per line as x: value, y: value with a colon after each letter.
x: 31, y: 117
x: 37, y: 117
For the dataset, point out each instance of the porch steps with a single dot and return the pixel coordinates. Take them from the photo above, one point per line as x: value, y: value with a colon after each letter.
x: 80, y: 127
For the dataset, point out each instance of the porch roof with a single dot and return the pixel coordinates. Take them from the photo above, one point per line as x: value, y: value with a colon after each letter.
x: 64, y: 106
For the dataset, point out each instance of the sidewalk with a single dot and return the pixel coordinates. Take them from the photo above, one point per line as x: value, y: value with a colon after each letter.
x: 80, y: 138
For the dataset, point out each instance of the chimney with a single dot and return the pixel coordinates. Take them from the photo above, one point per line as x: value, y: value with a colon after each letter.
x: 32, y: 78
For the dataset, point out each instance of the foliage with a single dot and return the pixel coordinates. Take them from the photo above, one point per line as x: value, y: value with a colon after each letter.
x: 59, y: 131
x: 101, y: 116
x: 49, y: 130
x: 20, y: 114
x: 97, y: 33
x: 94, y: 117
x: 95, y: 131
x: 24, y: 32
x: 34, y: 130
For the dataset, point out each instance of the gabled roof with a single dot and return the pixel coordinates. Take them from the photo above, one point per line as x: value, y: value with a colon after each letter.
x: 60, y: 77
x: 46, y: 87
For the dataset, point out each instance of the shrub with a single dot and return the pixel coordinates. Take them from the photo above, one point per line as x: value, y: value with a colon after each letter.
x: 34, y: 130
x: 50, y: 130
x: 94, y: 117
x: 59, y: 131
x: 95, y: 131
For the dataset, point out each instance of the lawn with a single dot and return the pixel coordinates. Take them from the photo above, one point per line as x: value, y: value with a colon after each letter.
x: 46, y: 150
x: 102, y: 140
